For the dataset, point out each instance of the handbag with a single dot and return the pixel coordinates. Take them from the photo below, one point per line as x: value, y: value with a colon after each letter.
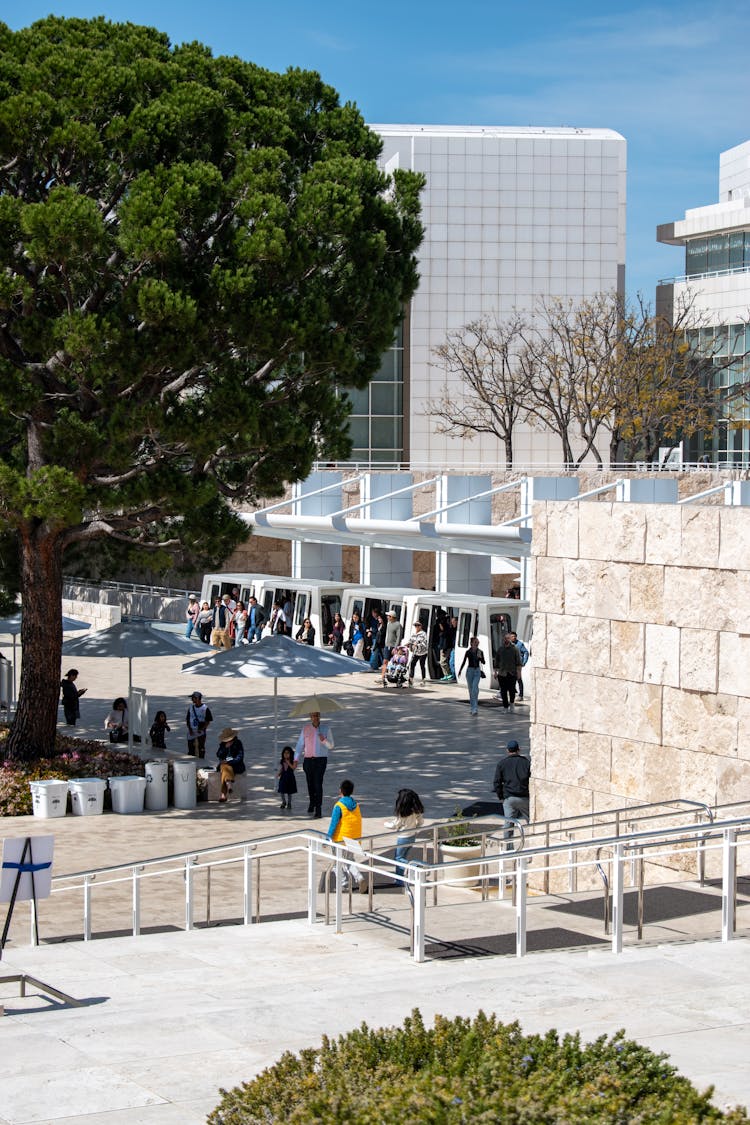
x: 482, y: 675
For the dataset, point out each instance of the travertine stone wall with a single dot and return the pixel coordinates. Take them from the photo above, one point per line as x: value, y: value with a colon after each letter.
x: 641, y: 655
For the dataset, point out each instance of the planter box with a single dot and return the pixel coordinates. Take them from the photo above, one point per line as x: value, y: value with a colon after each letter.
x: 470, y: 872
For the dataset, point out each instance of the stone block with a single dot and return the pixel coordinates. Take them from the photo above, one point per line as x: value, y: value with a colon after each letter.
x: 552, y: 800
x: 700, y: 535
x: 647, y: 594
x: 612, y: 531
x: 734, y: 663
x: 539, y: 524
x: 593, y: 588
x: 627, y: 640
x: 629, y: 759
x: 595, y: 761
x: 699, y: 660
x: 732, y: 780
x: 662, y: 656
x: 699, y: 722
x: 698, y: 780
x: 663, y: 534
x: 549, y: 589
x: 578, y: 644
x: 562, y: 756
x: 562, y: 529
x: 743, y: 728
x: 734, y: 541
x: 707, y: 598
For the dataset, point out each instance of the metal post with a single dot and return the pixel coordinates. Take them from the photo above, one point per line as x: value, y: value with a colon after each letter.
x: 190, y: 860
x: 728, y: 883
x: 247, y: 882
x: 338, y: 892
x: 618, y: 878
x: 311, y: 890
x: 419, y: 913
x: 87, y: 908
x: 641, y: 873
x: 546, y: 870
x: 136, y: 901
x: 208, y: 894
x: 34, y: 922
x: 257, y: 889
x: 572, y: 868
x: 520, y: 891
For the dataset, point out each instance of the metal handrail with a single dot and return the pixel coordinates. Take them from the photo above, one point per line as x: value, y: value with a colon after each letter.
x: 418, y: 875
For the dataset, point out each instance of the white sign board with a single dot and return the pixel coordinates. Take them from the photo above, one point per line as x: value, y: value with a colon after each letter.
x: 38, y: 860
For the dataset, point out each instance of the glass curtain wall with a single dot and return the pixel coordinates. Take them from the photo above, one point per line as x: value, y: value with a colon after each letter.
x: 729, y: 442
x: 376, y: 425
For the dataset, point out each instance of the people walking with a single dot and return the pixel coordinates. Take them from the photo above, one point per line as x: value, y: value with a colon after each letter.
x: 508, y: 669
x: 474, y: 658
x: 313, y: 744
x: 191, y: 615
x: 406, y: 819
x: 418, y: 646
x: 346, y: 823
x: 511, y: 783
x: 255, y: 620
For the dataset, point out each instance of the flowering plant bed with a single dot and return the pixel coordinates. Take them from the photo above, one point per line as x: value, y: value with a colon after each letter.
x: 70, y: 757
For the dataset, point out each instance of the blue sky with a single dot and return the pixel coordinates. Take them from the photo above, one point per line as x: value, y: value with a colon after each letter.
x: 671, y: 77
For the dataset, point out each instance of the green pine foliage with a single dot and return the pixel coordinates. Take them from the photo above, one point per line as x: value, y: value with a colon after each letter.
x: 196, y: 256
x: 469, y: 1071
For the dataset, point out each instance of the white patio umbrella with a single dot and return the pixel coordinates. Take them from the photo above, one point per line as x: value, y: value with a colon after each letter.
x: 131, y: 640
x: 276, y: 657
x: 11, y: 626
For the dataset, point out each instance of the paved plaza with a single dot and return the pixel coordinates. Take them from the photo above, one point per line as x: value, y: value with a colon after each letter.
x: 169, y: 1017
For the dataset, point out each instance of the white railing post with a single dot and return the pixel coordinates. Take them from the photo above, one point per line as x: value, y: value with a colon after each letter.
x: 190, y: 861
x: 87, y: 908
x: 728, y: 883
x: 618, y: 874
x: 136, y: 901
x: 522, y: 866
x: 33, y: 919
x: 312, y: 851
x: 339, y: 892
x: 419, y: 911
x: 247, y: 885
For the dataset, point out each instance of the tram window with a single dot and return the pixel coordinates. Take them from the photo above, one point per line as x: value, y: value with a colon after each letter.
x: 215, y: 587
x: 300, y: 609
x: 424, y: 617
x: 329, y: 604
x: 268, y: 603
x: 246, y: 594
x: 464, y: 630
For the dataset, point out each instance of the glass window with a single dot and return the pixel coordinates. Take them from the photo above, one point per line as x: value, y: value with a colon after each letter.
x: 696, y: 256
x: 737, y: 250
x: 718, y: 253
x: 359, y: 432
x: 360, y: 400
x: 384, y: 434
x: 386, y: 398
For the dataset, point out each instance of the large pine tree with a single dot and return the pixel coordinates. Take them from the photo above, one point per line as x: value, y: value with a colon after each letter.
x: 195, y: 255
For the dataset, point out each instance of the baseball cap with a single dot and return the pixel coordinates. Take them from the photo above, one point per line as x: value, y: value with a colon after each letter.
x: 513, y: 745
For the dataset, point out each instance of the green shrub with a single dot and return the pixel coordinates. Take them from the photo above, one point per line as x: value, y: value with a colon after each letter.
x: 475, y: 1071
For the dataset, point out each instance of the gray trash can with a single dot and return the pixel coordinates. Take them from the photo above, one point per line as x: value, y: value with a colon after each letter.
x: 157, y: 778
x: 184, y: 783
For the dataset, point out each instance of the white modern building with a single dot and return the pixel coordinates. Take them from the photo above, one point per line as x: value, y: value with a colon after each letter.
x: 717, y: 279
x: 511, y: 215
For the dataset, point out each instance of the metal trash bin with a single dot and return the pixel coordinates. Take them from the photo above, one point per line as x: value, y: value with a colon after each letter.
x: 157, y: 785
x: 184, y: 783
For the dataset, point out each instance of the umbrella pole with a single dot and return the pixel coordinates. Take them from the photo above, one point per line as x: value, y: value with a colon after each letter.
x: 276, y: 717
x: 130, y: 702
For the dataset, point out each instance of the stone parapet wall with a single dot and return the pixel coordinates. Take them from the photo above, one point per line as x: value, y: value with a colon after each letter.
x: 641, y: 655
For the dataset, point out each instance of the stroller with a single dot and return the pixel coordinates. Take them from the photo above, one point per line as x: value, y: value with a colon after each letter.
x: 397, y: 667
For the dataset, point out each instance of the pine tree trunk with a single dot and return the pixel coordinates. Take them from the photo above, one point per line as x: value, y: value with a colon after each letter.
x: 32, y: 735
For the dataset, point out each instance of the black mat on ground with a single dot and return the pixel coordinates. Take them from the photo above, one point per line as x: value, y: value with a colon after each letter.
x: 494, y: 945
x: 660, y: 904
x: 482, y: 808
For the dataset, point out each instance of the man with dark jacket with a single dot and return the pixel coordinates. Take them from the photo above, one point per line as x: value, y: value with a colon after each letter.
x: 512, y: 783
